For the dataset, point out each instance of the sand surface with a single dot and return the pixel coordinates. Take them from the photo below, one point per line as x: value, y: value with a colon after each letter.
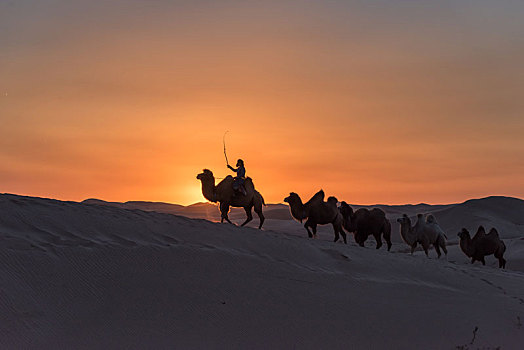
x: 95, y: 275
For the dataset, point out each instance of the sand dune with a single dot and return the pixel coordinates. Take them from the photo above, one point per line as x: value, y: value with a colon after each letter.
x: 86, y: 275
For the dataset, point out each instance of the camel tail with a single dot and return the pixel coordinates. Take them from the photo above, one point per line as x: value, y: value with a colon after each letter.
x: 262, y: 199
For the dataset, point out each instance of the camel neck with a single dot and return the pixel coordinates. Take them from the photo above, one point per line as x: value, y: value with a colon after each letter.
x: 297, y: 209
x: 465, y: 245
x: 208, y: 190
x: 406, y: 231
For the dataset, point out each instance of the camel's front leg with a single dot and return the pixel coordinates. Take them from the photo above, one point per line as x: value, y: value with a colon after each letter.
x: 306, y: 226
x: 224, y: 210
x: 337, y: 235
x: 426, y: 248
x: 413, y: 247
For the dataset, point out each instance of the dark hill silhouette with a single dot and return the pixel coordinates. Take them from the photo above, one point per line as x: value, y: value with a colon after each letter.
x: 505, y: 213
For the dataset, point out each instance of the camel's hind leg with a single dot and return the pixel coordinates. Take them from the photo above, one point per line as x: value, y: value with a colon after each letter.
x: 378, y: 238
x: 258, y: 210
x: 249, y: 215
x: 224, y: 210
x: 502, y: 263
x: 442, y: 244
x: 387, y: 233
x: 499, y: 254
x: 437, y: 249
x: 500, y: 257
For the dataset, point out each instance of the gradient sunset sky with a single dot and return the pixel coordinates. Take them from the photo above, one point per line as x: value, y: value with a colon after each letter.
x: 373, y: 101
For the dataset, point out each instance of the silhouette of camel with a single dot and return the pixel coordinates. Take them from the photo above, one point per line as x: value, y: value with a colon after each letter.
x: 483, y: 244
x: 227, y: 197
x: 364, y: 222
x: 317, y: 212
x: 425, y: 232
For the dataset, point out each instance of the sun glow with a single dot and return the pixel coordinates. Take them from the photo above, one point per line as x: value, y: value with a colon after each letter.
x: 325, y: 97
x: 189, y: 194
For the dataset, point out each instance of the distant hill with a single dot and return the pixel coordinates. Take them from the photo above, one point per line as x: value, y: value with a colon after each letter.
x: 504, y: 213
x: 206, y: 211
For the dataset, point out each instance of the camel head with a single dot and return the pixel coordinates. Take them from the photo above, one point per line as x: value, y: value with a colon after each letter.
x: 206, y: 175
x: 295, y: 205
x: 405, y: 220
x: 332, y: 200
x: 345, y: 209
x: 464, y: 234
x: 346, y: 212
x: 292, y: 198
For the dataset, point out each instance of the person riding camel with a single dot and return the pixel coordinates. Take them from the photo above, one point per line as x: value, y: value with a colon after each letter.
x: 238, y: 183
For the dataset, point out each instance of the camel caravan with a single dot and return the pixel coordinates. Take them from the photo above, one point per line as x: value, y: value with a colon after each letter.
x: 240, y: 192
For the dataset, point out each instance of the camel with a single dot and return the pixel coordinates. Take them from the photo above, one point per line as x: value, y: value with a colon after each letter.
x: 317, y: 212
x: 364, y: 222
x: 483, y: 244
x: 227, y: 197
x: 425, y: 232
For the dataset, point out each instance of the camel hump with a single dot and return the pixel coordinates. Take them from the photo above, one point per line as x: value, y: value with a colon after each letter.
x: 493, y: 233
x: 378, y: 212
x: 431, y: 219
x: 317, y: 197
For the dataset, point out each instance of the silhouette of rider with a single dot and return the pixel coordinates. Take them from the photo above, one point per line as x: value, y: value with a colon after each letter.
x: 238, y: 183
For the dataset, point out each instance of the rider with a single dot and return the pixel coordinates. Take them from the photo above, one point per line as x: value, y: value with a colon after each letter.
x: 238, y: 183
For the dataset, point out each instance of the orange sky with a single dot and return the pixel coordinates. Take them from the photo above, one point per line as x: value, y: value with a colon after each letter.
x: 382, y: 102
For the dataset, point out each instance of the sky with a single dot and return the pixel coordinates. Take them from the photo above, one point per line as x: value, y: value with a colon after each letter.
x: 373, y: 101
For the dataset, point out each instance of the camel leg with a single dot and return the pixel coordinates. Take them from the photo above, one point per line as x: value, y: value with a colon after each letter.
x: 426, y: 247
x: 437, y: 249
x: 249, y: 215
x: 306, y: 225
x: 442, y: 244
x: 314, y: 229
x: 378, y: 239
x: 258, y: 210
x: 224, y: 209
x: 413, y: 247
x: 483, y: 261
x: 337, y: 236
x: 358, y: 239
x: 502, y: 261
x: 387, y: 233
x: 343, y: 234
